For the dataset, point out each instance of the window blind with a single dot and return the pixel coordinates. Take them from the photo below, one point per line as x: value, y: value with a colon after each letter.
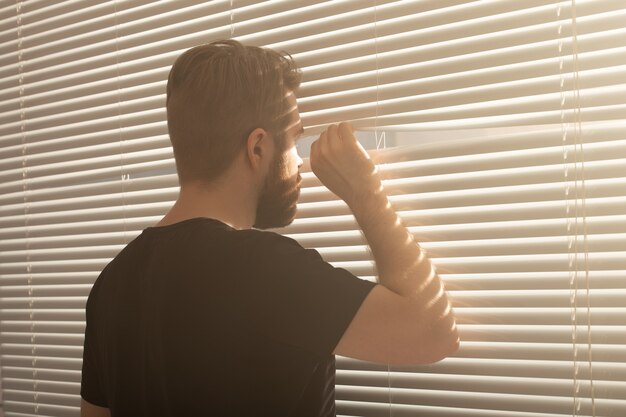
x: 499, y: 129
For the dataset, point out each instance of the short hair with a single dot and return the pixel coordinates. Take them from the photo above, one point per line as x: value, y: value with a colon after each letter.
x: 217, y: 94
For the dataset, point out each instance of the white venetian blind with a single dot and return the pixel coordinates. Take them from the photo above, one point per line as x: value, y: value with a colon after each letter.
x: 504, y: 147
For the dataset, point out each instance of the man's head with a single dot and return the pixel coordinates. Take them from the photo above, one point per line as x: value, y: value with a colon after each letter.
x: 217, y: 95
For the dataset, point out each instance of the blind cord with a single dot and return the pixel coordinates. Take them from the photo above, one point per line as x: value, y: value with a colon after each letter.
x: 31, y: 300
x: 581, y: 154
x: 575, y: 147
x: 232, y: 19
x: 571, y: 218
x: 380, y: 141
x: 124, y: 176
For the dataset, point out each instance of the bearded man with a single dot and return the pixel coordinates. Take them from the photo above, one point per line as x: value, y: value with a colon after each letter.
x: 207, y: 314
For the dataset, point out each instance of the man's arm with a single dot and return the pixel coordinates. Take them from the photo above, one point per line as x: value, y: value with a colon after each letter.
x: 89, y: 410
x: 407, y: 319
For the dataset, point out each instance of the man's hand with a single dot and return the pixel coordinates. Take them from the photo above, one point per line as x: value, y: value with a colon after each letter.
x: 343, y: 166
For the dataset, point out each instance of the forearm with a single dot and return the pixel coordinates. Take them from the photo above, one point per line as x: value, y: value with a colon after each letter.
x: 426, y: 325
x: 402, y: 265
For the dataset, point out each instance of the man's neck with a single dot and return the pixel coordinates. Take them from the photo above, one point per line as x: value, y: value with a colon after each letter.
x: 229, y: 203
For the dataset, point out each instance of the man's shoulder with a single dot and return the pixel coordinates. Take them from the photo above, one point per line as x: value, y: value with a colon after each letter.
x: 268, y: 237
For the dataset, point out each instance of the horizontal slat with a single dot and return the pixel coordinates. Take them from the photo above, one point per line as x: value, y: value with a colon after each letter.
x: 361, y: 409
x: 469, y: 142
x: 118, y: 192
x: 54, y: 290
x: 48, y: 278
x: 498, y: 367
x: 101, y: 239
x: 44, y: 376
x: 88, y: 126
x: 42, y: 362
x: 493, y: 401
x: 543, y: 351
x: 139, y: 169
x: 121, y: 148
x: 75, y: 265
x: 336, y: 216
x: 47, y: 363
x: 471, y: 383
x: 112, y: 225
x: 113, y: 137
x: 451, y: 232
x: 43, y: 315
x: 50, y: 387
x: 25, y: 407
x: 46, y: 339
x: 525, y: 280
x: 538, y: 334
x: 538, y: 298
x: 131, y: 161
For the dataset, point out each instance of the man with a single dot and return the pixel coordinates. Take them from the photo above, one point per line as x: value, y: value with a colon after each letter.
x: 204, y: 315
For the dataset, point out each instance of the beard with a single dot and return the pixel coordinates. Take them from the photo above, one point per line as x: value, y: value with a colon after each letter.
x: 277, y: 203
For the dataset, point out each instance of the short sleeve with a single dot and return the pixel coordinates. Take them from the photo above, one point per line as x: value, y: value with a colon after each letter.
x: 90, y: 387
x: 307, y: 302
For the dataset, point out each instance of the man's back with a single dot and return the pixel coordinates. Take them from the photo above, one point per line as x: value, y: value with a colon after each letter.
x: 197, y: 318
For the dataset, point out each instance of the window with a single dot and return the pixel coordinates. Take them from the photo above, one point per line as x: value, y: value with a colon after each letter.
x: 498, y: 124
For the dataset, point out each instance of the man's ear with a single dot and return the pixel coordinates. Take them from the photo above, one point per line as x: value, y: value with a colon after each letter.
x: 258, y: 148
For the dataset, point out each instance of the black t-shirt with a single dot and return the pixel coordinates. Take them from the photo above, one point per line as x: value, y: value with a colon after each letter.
x: 200, y: 319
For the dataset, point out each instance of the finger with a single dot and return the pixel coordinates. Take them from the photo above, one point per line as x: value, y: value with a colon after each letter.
x: 346, y: 130
x: 314, y: 147
x: 319, y: 149
x: 333, y: 133
x: 314, y: 150
x: 323, y: 143
x: 323, y: 136
x: 334, y: 138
